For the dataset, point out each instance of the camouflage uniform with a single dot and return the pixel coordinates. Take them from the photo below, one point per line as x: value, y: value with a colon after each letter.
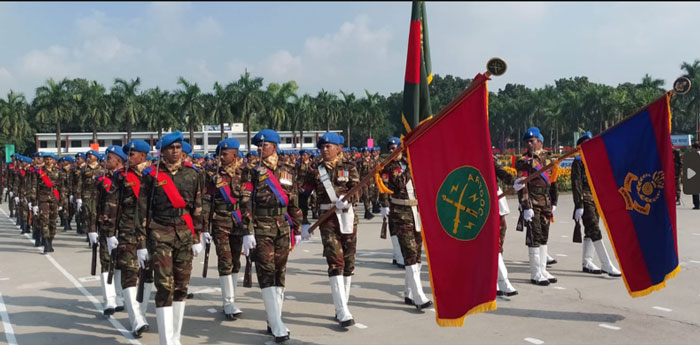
x: 366, y: 166
x: 538, y: 195
x: 339, y: 249
x: 87, y: 190
x: 44, y: 196
x: 79, y: 214
x: 302, y: 168
x: 11, y: 185
x: 66, y: 192
x: 401, y: 220
x: 583, y: 198
x: 506, y: 178
x: 170, y: 240
x: 264, y: 217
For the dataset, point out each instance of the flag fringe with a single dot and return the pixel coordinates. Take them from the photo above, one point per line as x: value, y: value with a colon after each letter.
x: 658, y: 286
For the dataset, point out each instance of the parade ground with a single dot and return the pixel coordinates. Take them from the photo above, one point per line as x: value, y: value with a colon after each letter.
x: 52, y: 299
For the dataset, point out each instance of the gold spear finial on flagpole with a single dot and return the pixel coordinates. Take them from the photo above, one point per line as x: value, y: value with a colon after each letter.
x: 496, y: 67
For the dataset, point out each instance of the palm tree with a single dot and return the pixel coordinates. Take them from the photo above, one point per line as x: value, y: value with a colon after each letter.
x: 348, y: 106
x: 217, y: 106
x: 13, y: 118
x: 158, y: 109
x: 191, y: 105
x: 128, y: 107
x: 277, y: 100
x: 327, y: 107
x: 374, y: 111
x: 248, y: 98
x: 53, y: 103
x: 92, y: 104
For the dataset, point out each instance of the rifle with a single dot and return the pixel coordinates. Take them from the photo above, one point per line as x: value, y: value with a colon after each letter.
x: 382, y: 233
x: 93, y: 265
x: 577, y: 232
x: 211, y: 218
x: 248, y: 276
x: 148, y: 270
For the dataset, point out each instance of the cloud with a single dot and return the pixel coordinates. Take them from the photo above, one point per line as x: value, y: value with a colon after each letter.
x: 208, y: 28
x: 108, y: 50
x: 53, y: 62
x: 5, y: 77
x: 283, y: 65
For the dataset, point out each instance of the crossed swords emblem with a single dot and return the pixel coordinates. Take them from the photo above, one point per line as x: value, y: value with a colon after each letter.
x: 459, y: 207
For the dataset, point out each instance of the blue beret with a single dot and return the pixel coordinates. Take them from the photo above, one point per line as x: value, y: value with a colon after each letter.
x: 186, y: 147
x: 169, y: 139
x: 377, y: 148
x: 80, y: 155
x: 354, y: 148
x: 328, y: 138
x: 240, y: 154
x: 533, y: 132
x: 197, y: 156
x: 92, y: 152
x: 137, y: 146
x: 37, y: 154
x: 393, y: 141
x: 365, y: 149
x: 253, y: 153
x: 117, y: 150
x: 50, y: 155
x: 68, y: 159
x: 103, y: 156
x: 584, y: 137
x: 26, y: 159
x: 268, y: 135
x: 228, y: 144
x: 342, y: 139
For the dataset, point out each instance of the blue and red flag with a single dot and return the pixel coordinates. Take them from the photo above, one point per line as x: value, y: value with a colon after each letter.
x: 630, y: 170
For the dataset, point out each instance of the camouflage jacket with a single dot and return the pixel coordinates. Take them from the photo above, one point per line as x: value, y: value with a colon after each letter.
x: 343, y: 176
x: 260, y: 207
x: 537, y: 192
x: 396, y: 175
x: 228, y: 178
x: 579, y: 183
x: 302, y: 169
x: 67, y: 183
x: 126, y: 190
x: 187, y: 182
x: 107, y: 203
x: 87, y: 187
x: 366, y: 166
x: 41, y: 192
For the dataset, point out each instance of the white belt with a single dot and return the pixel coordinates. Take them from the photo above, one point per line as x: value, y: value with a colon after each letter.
x: 404, y: 202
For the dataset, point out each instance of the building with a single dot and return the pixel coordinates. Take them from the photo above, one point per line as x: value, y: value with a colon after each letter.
x: 72, y: 143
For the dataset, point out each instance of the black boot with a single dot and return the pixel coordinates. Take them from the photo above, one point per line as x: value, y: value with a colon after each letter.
x: 63, y: 222
x: 368, y: 214
x: 45, y: 243
x: 50, y: 241
x: 375, y: 208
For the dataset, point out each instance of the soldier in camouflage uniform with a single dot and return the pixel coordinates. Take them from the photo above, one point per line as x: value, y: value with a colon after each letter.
x: 585, y: 209
x: 338, y: 234
x: 403, y: 218
x: 538, y: 199
x: 366, y: 166
x: 87, y: 191
x: 271, y: 215
x: 172, y: 230
x: 302, y: 168
x: 224, y: 185
x: 80, y: 163
x: 46, y: 196
x: 31, y: 179
x: 503, y: 285
x: 67, y: 191
x: 11, y: 172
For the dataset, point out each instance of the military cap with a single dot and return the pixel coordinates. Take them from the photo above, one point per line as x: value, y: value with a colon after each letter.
x: 49, y: 155
x: 354, y: 149
x: 342, y: 139
x: 26, y: 159
x: 393, y: 141
x: 137, y: 146
x: 240, y: 154
x: 329, y: 138
x: 80, y: 155
x: 533, y: 132
x: 103, y: 156
x: 38, y: 154
x: 197, y: 156
x: 377, y: 148
x: 584, y: 137
x: 68, y: 159
x: 186, y: 147
x: 365, y: 149
x: 253, y: 153
x: 169, y: 139
x: 228, y: 144
x: 92, y: 152
x: 117, y: 150
x: 268, y: 135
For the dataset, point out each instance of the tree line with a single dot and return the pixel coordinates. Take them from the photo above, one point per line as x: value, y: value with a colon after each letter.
x: 571, y: 105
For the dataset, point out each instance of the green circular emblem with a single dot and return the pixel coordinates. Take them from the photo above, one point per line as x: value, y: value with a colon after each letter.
x: 463, y: 203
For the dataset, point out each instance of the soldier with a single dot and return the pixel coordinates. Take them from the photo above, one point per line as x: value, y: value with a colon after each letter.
x: 271, y: 215
x: 503, y: 286
x: 366, y: 167
x: 538, y: 199
x: 30, y: 185
x: 127, y: 186
x: 10, y: 174
x: 330, y: 179
x: 87, y: 189
x: 67, y: 191
x: 171, y: 192
x: 80, y: 164
x: 302, y: 169
x: 46, y: 197
x: 585, y: 209
x: 224, y: 185
x: 374, y: 190
x: 404, y: 219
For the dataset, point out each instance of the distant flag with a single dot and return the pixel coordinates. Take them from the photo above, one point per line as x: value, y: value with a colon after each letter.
x: 457, y: 198
x: 416, y: 97
x: 630, y: 170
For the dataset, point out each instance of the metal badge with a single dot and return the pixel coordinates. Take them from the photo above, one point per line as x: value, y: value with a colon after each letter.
x: 496, y: 66
x: 682, y: 85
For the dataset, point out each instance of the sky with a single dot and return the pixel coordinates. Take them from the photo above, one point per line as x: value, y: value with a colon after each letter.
x: 352, y: 46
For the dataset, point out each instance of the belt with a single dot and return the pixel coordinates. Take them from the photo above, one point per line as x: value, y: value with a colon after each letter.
x: 538, y: 190
x: 226, y: 207
x: 270, y: 212
x: 326, y: 207
x: 404, y: 202
x: 171, y: 213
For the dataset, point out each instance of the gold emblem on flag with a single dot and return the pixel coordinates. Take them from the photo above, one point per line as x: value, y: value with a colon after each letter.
x: 648, y: 189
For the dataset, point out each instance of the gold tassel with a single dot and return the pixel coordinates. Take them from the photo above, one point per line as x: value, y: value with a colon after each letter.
x: 380, y: 182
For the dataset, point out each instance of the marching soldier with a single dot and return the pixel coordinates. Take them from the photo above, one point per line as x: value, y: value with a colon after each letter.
x: 46, y: 197
x: 224, y: 185
x: 585, y: 210
x: 67, y: 191
x: 503, y: 286
x: 538, y: 199
x: 366, y: 167
x: 302, y: 169
x: 10, y: 192
x: 271, y: 215
x: 80, y: 164
x: 170, y: 206
x: 127, y: 187
x: 331, y: 179
x: 31, y: 180
x: 404, y: 219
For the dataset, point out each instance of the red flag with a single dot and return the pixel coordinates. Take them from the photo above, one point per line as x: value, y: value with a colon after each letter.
x: 455, y: 184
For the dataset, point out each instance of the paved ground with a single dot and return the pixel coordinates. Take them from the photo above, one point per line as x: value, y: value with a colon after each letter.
x: 52, y: 299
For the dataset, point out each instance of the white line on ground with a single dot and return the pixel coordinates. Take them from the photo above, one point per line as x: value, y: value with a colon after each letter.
x: 6, y: 324
x: 89, y: 279
x: 563, y: 255
x: 604, y: 325
x: 2, y: 279
x: 534, y: 341
x: 290, y: 297
x: 98, y: 306
x: 211, y: 310
x: 517, y: 262
x: 560, y: 288
x: 564, y: 236
x: 360, y: 326
x: 695, y: 261
x: 356, y: 286
x: 663, y: 309
x: 306, y: 251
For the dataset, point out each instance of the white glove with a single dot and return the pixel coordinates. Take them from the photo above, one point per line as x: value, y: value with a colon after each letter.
x: 207, y: 237
x: 554, y: 208
x: 248, y: 244
x: 305, y: 235
x: 12, y: 194
x: 517, y: 185
x: 297, y: 239
x: 79, y: 203
x: 197, y: 248
x: 385, y: 212
x: 142, y: 255
x: 29, y: 205
x: 60, y: 208
x: 578, y: 214
x: 93, y: 237
x: 35, y: 210
x: 112, y: 243
x: 70, y: 199
x: 16, y: 199
x: 4, y: 190
x: 528, y: 214
x: 341, y: 205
